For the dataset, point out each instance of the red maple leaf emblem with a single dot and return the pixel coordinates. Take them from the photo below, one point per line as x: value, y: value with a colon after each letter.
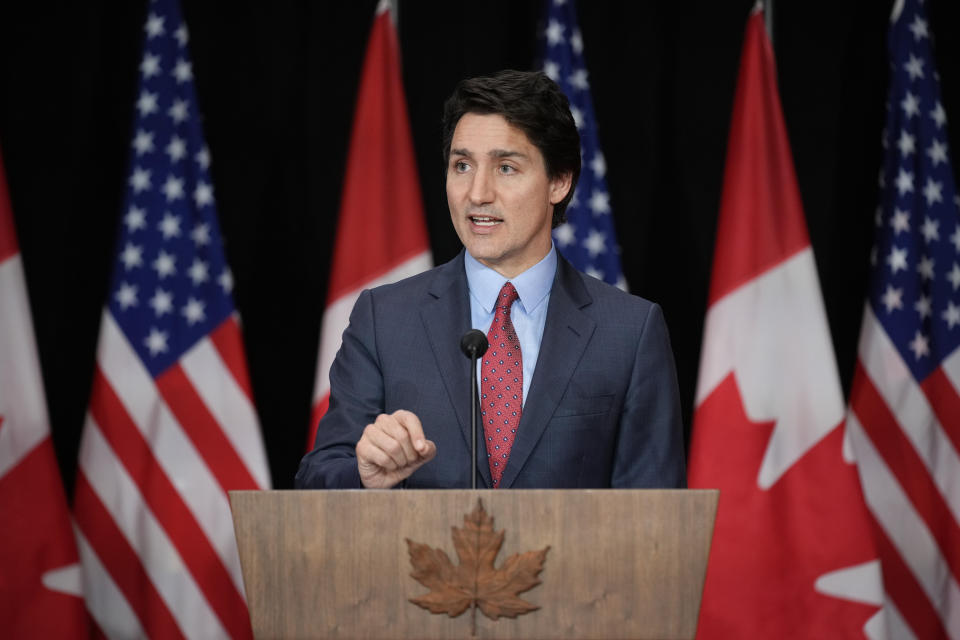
x: 769, y: 547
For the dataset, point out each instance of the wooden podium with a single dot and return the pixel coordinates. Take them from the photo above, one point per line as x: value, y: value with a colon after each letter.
x: 336, y: 564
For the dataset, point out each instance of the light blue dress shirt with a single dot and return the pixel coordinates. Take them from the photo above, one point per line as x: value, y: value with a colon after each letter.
x: 529, y: 313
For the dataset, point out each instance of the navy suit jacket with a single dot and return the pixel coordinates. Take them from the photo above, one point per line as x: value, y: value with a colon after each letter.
x: 602, y: 411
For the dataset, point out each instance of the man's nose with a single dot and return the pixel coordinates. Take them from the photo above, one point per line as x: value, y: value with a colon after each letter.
x: 481, y: 188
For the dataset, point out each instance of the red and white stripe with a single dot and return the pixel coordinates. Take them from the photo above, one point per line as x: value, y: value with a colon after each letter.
x: 907, y: 437
x: 39, y: 570
x: 156, y: 461
x: 381, y: 233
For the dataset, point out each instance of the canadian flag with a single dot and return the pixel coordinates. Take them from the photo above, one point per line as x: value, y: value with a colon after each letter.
x: 39, y: 570
x: 381, y: 234
x: 792, y: 554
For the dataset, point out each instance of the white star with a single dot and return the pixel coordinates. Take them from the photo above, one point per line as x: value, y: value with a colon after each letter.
x: 162, y: 302
x: 203, y: 158
x: 598, y: 165
x: 904, y: 181
x: 131, y: 256
x: 906, y: 144
x: 183, y: 71
x: 593, y: 272
x: 922, y: 306
x: 203, y: 194
x: 578, y: 80
x: 954, y: 276
x: 897, y: 259
x: 900, y: 221
x: 925, y: 268
x: 201, y: 234
x: 938, y: 115
x: 181, y: 35
x: 552, y: 69
x: 135, y: 219
x: 173, y: 188
x: 178, y: 111
x: 554, y: 33
x: 910, y: 104
x: 577, y: 116
x: 937, y: 152
x: 176, y: 149
x: 165, y: 264
x: 226, y: 281
x: 156, y: 342
x: 599, y: 202
x: 193, y: 311
x: 914, y: 67
x: 150, y: 66
x: 919, y: 28
x: 564, y: 234
x: 955, y: 238
x: 198, y: 272
x: 146, y: 103
x: 920, y: 346
x: 893, y: 298
x: 154, y: 26
x: 951, y: 315
x: 930, y: 230
x: 169, y: 226
x: 576, y: 41
x: 140, y: 180
x: 127, y: 295
x: 932, y: 191
x: 596, y: 243
x: 143, y: 142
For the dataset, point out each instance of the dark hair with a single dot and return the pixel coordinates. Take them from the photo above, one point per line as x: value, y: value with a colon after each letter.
x: 531, y: 102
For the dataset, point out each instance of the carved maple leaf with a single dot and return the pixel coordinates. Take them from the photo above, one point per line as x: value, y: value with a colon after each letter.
x: 475, y: 581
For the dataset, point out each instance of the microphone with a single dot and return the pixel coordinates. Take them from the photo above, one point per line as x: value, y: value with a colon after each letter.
x: 474, y: 345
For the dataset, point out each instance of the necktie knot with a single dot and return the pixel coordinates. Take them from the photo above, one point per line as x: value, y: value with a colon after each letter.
x: 507, y: 296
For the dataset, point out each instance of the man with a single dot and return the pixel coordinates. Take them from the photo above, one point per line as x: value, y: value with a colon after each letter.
x: 578, y: 387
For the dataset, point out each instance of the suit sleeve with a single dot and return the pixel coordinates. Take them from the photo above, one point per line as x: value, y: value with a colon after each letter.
x: 356, y: 399
x: 649, y: 451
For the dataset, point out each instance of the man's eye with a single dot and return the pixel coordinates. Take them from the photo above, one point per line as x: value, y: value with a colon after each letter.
x: 507, y: 169
x: 460, y: 166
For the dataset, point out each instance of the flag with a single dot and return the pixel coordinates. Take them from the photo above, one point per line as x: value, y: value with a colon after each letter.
x: 904, y: 414
x: 792, y: 552
x: 381, y: 233
x: 587, y: 239
x: 171, y: 425
x: 39, y: 570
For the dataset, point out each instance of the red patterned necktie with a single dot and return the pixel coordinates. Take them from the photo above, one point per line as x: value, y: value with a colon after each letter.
x: 501, y: 391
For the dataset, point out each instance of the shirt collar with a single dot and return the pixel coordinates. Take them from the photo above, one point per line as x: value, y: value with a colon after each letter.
x: 532, y: 285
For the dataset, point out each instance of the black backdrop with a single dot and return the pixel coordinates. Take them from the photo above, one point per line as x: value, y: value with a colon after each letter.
x: 276, y: 83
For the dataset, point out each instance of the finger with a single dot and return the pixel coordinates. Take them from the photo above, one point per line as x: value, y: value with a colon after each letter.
x: 379, y: 438
x: 371, y: 455
x: 414, y: 428
x: 392, y: 427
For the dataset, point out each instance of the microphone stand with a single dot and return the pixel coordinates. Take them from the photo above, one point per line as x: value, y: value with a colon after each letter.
x: 473, y: 420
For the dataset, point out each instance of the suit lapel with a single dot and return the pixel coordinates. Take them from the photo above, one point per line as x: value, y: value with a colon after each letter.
x: 565, y: 336
x: 446, y: 316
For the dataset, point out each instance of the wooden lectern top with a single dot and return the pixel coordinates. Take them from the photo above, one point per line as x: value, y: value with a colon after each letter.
x: 336, y: 564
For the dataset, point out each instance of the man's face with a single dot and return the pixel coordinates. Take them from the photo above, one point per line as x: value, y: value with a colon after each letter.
x: 500, y: 197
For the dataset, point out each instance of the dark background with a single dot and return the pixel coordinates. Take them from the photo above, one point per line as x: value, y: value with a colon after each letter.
x: 277, y: 82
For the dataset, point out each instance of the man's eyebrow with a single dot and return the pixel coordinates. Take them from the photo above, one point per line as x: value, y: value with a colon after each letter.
x: 461, y: 152
x: 507, y: 153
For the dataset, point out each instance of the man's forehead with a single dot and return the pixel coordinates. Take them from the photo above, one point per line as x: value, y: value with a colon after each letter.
x: 489, y: 134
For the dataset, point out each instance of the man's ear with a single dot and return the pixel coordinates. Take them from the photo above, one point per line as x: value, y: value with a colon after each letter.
x: 560, y: 187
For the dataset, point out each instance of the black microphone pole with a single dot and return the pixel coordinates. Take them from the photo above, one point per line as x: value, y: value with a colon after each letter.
x: 474, y: 345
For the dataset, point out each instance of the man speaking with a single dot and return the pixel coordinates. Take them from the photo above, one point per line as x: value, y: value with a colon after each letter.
x: 577, y: 388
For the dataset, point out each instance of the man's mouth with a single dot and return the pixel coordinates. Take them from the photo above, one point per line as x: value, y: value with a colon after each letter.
x: 485, y: 221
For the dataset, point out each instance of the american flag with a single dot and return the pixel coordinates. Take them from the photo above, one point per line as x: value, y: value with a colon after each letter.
x: 587, y: 239
x: 171, y: 425
x: 904, y: 415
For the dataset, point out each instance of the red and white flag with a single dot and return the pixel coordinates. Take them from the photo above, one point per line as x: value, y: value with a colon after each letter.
x: 171, y: 425
x: 39, y: 570
x: 792, y: 553
x: 381, y: 233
